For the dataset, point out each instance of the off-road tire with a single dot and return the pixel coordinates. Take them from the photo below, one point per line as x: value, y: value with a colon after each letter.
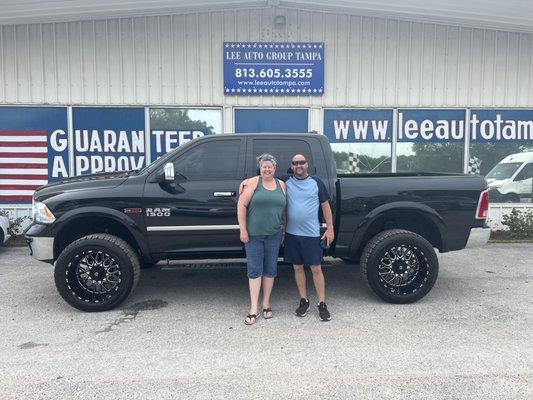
x: 148, y: 265
x: 377, y: 255
x: 72, y: 284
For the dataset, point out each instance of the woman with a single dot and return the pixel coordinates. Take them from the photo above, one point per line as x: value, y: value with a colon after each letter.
x: 260, y: 212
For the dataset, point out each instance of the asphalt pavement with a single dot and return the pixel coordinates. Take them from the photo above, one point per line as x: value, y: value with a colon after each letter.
x: 180, y: 335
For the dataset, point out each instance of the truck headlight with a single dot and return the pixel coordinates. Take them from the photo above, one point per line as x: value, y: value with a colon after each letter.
x: 41, y: 213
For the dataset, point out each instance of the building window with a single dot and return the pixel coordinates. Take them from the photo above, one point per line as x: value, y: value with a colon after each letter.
x: 171, y: 127
x: 501, y: 149
x: 430, y: 140
x: 283, y: 120
x: 360, y: 139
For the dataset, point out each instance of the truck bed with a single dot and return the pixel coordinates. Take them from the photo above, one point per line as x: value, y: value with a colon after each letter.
x: 448, y: 200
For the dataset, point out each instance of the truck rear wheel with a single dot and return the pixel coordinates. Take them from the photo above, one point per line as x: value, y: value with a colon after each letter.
x: 96, y: 272
x: 399, y: 266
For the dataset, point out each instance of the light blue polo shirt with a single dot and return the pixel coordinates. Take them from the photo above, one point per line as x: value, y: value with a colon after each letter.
x: 304, y: 196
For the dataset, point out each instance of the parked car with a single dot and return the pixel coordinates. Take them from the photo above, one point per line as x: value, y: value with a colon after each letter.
x: 4, y: 230
x: 512, y: 178
x: 100, y: 229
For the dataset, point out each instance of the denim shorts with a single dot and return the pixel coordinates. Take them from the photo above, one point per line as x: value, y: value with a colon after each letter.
x: 262, y: 255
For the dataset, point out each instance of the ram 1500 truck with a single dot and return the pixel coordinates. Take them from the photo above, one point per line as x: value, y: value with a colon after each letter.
x: 99, y: 230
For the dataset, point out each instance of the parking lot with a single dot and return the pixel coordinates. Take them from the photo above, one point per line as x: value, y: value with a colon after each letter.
x: 180, y: 335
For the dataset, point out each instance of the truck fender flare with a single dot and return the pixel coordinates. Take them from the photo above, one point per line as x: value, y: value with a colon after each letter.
x: 421, y: 209
x: 116, y: 215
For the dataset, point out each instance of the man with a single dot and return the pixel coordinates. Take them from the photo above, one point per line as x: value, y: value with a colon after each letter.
x: 303, y: 243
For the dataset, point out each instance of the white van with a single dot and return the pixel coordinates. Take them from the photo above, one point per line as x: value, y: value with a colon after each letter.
x: 512, y: 178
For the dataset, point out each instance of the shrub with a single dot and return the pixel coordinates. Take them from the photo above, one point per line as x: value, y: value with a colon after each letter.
x: 520, y: 223
x: 15, y: 224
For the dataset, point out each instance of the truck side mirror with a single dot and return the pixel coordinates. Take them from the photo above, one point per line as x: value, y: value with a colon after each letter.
x: 169, y: 172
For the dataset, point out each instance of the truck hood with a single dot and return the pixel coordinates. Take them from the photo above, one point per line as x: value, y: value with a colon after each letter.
x: 79, y: 183
x: 496, y: 183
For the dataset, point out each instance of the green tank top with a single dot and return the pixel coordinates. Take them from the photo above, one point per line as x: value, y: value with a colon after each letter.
x: 265, y: 211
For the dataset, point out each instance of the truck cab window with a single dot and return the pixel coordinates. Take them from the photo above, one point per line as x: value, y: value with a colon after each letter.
x: 210, y: 160
x: 283, y: 150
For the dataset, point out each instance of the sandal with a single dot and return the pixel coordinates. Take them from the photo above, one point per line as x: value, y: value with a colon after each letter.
x: 251, y: 319
x: 266, y: 311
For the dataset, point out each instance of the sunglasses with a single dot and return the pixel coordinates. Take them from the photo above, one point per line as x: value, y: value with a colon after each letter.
x: 299, y: 162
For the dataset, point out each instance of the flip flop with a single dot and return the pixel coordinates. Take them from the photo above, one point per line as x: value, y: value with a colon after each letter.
x: 252, y: 319
x: 266, y: 311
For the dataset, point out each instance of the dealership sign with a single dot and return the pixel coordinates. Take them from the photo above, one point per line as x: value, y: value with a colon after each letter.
x: 163, y: 141
x: 354, y: 125
x: 108, y: 139
x: 501, y: 126
x: 431, y: 125
x: 277, y: 68
x: 33, y: 150
x: 428, y: 125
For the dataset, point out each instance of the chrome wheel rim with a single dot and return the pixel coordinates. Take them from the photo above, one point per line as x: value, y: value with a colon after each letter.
x: 403, y: 269
x: 93, y: 276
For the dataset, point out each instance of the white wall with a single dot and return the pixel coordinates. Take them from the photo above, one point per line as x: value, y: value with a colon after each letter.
x: 177, y: 60
x: 498, y: 210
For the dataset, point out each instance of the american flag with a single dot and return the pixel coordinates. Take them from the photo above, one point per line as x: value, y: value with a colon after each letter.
x: 23, y: 164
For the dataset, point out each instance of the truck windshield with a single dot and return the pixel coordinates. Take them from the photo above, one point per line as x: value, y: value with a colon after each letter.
x: 503, y: 171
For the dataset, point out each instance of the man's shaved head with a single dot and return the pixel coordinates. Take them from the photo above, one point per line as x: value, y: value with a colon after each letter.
x: 300, y: 170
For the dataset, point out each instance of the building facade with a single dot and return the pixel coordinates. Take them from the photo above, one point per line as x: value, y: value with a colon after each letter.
x: 108, y: 94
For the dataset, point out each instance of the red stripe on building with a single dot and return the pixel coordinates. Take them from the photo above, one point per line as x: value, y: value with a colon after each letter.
x: 13, y: 176
x: 23, y: 155
x: 19, y: 187
x: 22, y: 133
x: 15, y: 198
x: 22, y: 144
x: 23, y: 165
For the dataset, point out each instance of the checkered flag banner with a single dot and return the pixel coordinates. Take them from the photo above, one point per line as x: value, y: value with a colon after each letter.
x: 473, y: 166
x: 353, y: 162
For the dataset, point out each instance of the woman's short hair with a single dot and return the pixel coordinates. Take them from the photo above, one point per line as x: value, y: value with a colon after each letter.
x: 266, y: 157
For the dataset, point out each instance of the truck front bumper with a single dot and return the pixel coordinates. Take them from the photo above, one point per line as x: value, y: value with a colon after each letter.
x: 40, y: 242
x: 478, y: 237
x: 41, y: 248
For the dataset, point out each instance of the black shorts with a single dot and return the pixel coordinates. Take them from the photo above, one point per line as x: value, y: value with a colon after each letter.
x: 302, y: 250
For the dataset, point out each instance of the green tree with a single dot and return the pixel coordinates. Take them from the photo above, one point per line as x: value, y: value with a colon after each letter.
x: 491, y: 154
x: 340, y: 157
x: 433, y: 157
x: 176, y: 119
x: 448, y: 157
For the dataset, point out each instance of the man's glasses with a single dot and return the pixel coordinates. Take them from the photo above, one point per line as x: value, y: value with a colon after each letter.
x: 299, y: 162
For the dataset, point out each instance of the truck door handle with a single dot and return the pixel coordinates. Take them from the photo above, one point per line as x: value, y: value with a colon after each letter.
x: 224, y: 194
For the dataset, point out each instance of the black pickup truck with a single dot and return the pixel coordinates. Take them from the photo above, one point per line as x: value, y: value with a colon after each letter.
x: 100, y: 230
